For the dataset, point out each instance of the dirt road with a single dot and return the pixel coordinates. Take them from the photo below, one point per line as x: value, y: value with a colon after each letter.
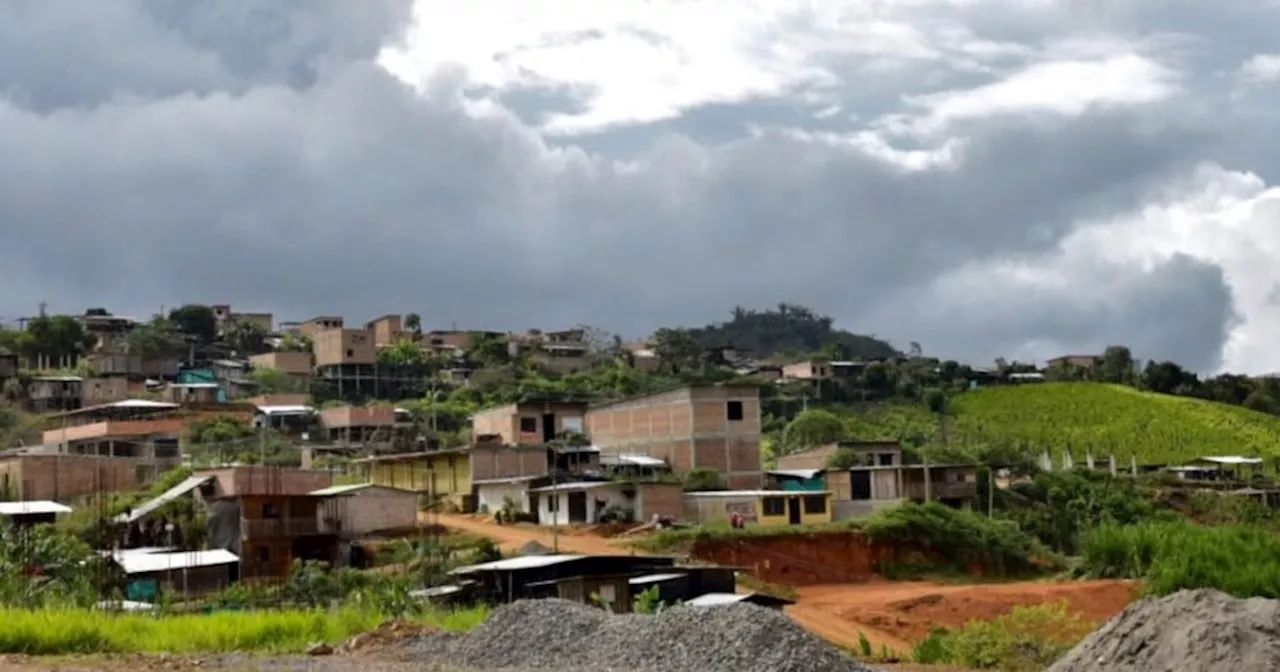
x: 511, y: 538
x: 889, y: 614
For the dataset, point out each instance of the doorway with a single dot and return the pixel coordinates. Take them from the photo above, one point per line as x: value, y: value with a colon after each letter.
x: 577, y: 507
x: 793, y: 510
x: 860, y: 484
x: 548, y: 427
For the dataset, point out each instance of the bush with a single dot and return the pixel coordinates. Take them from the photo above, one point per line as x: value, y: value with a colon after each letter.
x: 1056, y: 506
x: 1026, y: 639
x: 1237, y: 559
x: 962, y: 538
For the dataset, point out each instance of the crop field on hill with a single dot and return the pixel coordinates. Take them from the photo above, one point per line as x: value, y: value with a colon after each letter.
x: 1107, y: 419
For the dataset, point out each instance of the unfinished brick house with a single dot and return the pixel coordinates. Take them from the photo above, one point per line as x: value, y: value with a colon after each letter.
x: 292, y: 363
x: 315, y: 325
x: 712, y: 427
x: 387, y: 330
x: 381, y: 428
x: 64, y: 478
x: 530, y: 423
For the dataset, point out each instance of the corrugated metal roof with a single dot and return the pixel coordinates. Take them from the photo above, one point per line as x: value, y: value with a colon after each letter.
x: 139, y: 403
x: 145, y: 563
x: 347, y: 489
x: 572, y: 487
x: 523, y: 562
x: 656, y: 578
x: 796, y: 473
x: 286, y: 409
x: 714, y: 599
x: 32, y: 508
x: 755, y: 493
x: 191, y: 483
x: 1232, y: 459
x: 632, y: 459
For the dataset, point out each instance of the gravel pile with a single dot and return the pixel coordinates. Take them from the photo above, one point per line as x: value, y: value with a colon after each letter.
x: 562, y: 635
x: 1189, y: 631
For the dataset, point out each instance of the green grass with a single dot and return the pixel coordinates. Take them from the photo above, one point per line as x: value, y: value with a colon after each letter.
x: 1242, y: 560
x: 1109, y: 419
x: 82, y: 631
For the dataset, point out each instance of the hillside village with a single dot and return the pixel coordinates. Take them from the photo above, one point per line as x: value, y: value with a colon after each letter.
x: 208, y: 451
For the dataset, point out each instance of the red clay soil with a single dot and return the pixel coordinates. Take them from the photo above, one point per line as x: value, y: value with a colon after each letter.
x: 897, y: 614
x: 800, y: 559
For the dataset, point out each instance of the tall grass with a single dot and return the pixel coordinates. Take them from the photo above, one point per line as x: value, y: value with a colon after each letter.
x: 72, y: 631
x: 961, y: 538
x: 1237, y: 559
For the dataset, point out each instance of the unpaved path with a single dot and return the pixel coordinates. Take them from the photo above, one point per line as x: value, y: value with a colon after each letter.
x: 511, y: 538
x: 890, y: 614
x: 897, y: 614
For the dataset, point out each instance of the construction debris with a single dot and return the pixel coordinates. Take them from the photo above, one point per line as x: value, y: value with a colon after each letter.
x: 1189, y: 631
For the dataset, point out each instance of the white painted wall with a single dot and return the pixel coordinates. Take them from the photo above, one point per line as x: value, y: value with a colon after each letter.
x: 611, y: 495
x: 490, y: 497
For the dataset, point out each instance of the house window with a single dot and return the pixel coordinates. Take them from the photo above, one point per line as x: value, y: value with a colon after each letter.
x: 733, y: 410
x: 775, y: 506
x: 886, y: 459
x: 553, y: 503
x: 528, y: 425
x: 270, y: 510
x: 815, y: 504
x: 264, y: 554
x: 351, y: 353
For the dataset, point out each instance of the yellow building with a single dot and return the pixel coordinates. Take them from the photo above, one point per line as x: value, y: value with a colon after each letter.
x: 759, y: 507
x: 440, y: 473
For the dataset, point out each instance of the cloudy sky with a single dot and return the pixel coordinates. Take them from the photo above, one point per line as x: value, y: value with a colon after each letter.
x: 1017, y: 179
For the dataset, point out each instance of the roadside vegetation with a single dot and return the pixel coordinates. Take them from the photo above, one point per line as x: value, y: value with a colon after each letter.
x: 62, y: 631
x: 1027, y: 639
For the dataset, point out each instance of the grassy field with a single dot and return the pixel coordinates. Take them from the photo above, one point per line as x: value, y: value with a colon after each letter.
x: 72, y: 631
x: 1109, y: 419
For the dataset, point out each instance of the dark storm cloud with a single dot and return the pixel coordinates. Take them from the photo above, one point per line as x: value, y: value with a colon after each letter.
x: 1180, y: 309
x: 247, y: 152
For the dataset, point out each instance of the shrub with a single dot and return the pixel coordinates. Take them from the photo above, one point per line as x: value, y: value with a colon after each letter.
x: 1026, y: 639
x: 961, y: 538
x: 1237, y: 559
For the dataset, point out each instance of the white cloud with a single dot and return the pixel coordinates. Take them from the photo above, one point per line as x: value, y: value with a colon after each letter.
x: 1065, y: 88
x: 1226, y: 218
x: 637, y: 61
x: 1261, y: 69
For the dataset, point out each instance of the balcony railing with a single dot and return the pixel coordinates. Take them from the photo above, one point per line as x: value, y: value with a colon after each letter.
x: 277, y: 528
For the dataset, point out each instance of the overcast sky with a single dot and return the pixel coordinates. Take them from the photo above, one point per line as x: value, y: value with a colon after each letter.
x: 1018, y: 179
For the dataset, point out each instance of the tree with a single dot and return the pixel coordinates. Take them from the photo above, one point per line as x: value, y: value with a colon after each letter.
x: 413, y: 322
x: 1169, y: 378
x: 677, y: 348
x: 1116, y: 365
x: 701, y: 479
x: 291, y: 343
x: 405, y: 354
x: 488, y: 349
x: 935, y: 400
x: 275, y: 381
x: 196, y: 321
x: 246, y: 338
x: 813, y: 427
x: 157, y: 338
x: 54, y: 337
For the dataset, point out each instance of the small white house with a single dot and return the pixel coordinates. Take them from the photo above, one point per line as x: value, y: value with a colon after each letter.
x: 492, y: 495
x: 567, y: 503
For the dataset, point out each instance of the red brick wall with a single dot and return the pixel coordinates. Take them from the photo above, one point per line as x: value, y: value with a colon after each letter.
x: 689, y: 428
x: 495, y: 462
x: 664, y: 499
x: 64, y: 477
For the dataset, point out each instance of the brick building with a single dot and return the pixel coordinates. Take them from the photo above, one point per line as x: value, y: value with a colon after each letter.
x: 530, y: 423
x: 63, y: 478
x: 712, y: 427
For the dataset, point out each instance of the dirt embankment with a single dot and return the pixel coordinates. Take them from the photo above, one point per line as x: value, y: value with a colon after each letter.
x: 811, y: 559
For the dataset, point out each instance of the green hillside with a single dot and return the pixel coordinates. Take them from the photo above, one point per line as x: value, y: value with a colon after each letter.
x: 1109, y: 419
